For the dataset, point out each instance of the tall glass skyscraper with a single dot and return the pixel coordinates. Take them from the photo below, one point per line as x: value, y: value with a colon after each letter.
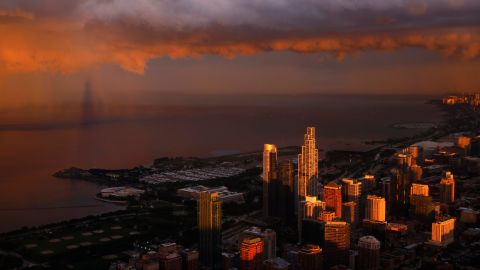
x: 308, y: 166
x: 210, y: 229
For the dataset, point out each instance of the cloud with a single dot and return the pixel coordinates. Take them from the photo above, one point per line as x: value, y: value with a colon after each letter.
x: 65, y: 38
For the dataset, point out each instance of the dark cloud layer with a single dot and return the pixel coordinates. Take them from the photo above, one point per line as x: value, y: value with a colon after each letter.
x: 64, y: 36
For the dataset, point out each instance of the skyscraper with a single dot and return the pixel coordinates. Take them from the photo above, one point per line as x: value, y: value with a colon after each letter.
x: 402, y: 177
x: 269, y: 177
x: 337, y: 242
x: 286, y: 201
x: 368, y: 253
x: 447, y: 188
x: 210, y: 229
x: 375, y: 208
x: 442, y: 231
x: 310, y: 257
x: 251, y: 254
x: 332, y: 194
x: 308, y: 166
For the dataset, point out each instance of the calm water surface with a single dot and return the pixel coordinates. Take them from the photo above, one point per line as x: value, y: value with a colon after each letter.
x: 42, y: 141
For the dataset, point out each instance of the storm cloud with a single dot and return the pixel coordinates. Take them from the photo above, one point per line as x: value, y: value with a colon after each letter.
x: 64, y: 36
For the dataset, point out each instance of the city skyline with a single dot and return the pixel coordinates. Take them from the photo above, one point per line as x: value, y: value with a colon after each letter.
x: 239, y: 134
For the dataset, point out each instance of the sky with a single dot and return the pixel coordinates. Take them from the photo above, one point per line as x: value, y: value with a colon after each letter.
x: 135, y: 50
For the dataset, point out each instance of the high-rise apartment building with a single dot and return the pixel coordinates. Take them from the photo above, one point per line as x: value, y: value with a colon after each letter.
x: 442, y: 231
x: 269, y: 177
x: 368, y: 253
x: 308, y: 166
x: 337, y: 242
x: 332, y: 194
x: 375, y: 208
x: 447, y: 188
x: 251, y: 254
x: 210, y: 229
x: 310, y: 257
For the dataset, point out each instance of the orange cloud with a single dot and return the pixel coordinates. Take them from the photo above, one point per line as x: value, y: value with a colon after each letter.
x: 29, y: 47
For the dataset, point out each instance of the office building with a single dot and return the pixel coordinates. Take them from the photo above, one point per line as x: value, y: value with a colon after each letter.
x: 210, y: 229
x: 286, y: 201
x: 308, y: 166
x: 350, y: 212
x: 375, y: 208
x: 447, y: 188
x: 419, y: 189
x: 368, y: 253
x: 368, y: 182
x: 401, y: 178
x: 443, y: 231
x: 251, y: 257
x: 332, y: 194
x: 337, y: 243
x: 269, y: 178
x: 269, y: 238
x: 311, y: 208
x: 310, y: 257
x: 351, y: 190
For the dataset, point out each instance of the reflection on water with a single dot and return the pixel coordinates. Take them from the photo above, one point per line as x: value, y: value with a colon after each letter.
x: 40, y: 141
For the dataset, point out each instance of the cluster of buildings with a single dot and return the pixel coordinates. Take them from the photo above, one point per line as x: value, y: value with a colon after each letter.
x: 192, y: 175
x: 471, y: 99
x: 406, y: 214
x: 168, y: 256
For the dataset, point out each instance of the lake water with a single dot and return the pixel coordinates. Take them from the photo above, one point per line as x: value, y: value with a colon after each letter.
x: 35, y: 142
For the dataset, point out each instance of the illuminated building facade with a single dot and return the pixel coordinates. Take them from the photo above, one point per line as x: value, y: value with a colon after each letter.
x: 368, y: 253
x: 310, y: 257
x: 269, y: 238
x: 269, y: 177
x: 447, y: 188
x: 210, y: 229
x: 419, y: 189
x: 442, y: 231
x: 251, y: 257
x: 375, y: 208
x: 351, y: 189
x: 308, y: 166
x: 337, y: 242
x: 332, y: 194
